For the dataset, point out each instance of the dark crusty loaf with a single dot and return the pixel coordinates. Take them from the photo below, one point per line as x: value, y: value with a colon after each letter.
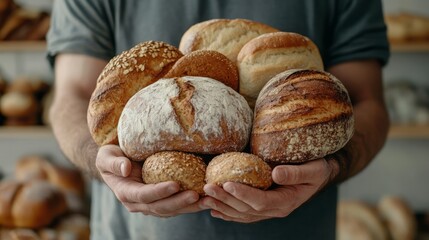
x: 301, y: 115
x: 263, y: 57
x: 239, y: 167
x: 185, y: 168
x: 206, y: 63
x: 226, y: 36
x: 188, y: 114
x: 123, y: 76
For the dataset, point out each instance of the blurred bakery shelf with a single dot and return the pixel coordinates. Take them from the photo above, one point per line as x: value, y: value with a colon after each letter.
x: 22, y: 46
x: 410, y: 47
x: 30, y: 132
x: 398, y: 131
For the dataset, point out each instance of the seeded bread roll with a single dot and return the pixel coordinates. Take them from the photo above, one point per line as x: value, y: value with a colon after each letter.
x: 263, y: 57
x: 301, y: 115
x: 399, y: 217
x: 185, y: 168
x: 206, y: 63
x: 226, y: 36
x: 122, y: 77
x: 239, y: 167
x: 187, y: 114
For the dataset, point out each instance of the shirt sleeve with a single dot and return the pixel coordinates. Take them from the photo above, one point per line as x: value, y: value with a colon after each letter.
x: 81, y: 26
x: 359, y: 32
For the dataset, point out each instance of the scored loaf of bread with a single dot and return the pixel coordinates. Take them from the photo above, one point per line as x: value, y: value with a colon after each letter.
x: 185, y: 168
x: 206, y: 63
x: 265, y: 56
x: 301, y: 115
x: 122, y: 77
x: 30, y: 205
x: 226, y: 36
x: 239, y: 167
x: 188, y: 114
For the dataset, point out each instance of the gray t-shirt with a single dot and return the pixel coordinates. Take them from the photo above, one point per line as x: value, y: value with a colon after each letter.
x: 344, y: 30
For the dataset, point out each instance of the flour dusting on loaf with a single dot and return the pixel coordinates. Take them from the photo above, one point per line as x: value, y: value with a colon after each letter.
x: 189, y: 114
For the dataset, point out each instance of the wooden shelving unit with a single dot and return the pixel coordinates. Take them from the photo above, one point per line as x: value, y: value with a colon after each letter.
x: 410, y: 47
x: 30, y: 132
x: 22, y: 46
x: 409, y: 132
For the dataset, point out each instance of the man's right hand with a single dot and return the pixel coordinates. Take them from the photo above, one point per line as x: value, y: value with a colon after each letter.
x: 124, y: 177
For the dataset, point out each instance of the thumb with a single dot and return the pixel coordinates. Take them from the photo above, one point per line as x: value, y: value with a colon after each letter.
x: 111, y: 160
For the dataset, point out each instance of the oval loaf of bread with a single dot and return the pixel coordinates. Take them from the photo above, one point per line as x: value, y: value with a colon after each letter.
x: 263, y: 57
x: 301, y: 115
x: 226, y: 36
x: 206, y: 63
x: 122, y: 77
x: 188, y: 114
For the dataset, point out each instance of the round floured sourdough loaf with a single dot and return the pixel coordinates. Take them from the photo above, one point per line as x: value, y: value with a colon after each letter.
x: 122, y: 77
x: 185, y: 168
x: 226, y: 36
x: 301, y: 115
x: 239, y: 167
x: 263, y: 57
x: 188, y: 114
x: 206, y: 63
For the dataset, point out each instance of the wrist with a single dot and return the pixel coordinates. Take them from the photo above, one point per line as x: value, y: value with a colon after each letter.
x: 340, y: 165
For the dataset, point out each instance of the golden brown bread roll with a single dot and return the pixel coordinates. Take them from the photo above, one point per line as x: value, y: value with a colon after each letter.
x: 188, y: 114
x: 301, y: 115
x: 122, y: 77
x: 367, y: 218
x: 30, y: 205
x: 265, y: 56
x: 185, y: 168
x: 76, y: 225
x: 18, y: 105
x: 349, y: 228
x: 239, y: 167
x: 399, y: 218
x: 206, y: 63
x: 226, y: 36
x: 20, y: 234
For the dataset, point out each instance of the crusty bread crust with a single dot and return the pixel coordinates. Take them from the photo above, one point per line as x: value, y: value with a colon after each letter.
x: 301, y: 115
x: 206, y: 63
x: 263, y: 57
x: 123, y: 76
x: 226, y: 36
x: 189, y: 114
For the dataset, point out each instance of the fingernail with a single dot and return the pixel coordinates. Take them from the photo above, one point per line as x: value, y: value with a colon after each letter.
x: 171, y: 189
x: 229, y: 188
x: 123, y: 169
x: 210, y: 192
x: 192, y: 199
x: 280, y: 176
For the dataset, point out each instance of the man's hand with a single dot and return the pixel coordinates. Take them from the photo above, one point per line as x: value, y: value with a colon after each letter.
x: 124, y: 177
x: 297, y: 184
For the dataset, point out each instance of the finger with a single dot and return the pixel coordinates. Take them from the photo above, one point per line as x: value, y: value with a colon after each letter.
x: 179, y: 203
x: 135, y: 192
x: 224, y: 211
x: 246, y: 219
x: 110, y: 160
x: 220, y: 194
x: 307, y: 173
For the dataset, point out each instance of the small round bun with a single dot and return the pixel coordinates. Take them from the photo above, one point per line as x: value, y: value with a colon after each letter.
x: 206, y: 63
x: 399, y: 217
x: 265, y: 56
x: 362, y: 217
x: 301, y: 115
x: 239, y: 167
x: 185, y: 168
x: 187, y: 114
x: 226, y: 36
x: 18, y: 105
x: 122, y: 77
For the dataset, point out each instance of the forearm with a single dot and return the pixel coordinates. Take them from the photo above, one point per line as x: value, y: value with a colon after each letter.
x: 68, y: 120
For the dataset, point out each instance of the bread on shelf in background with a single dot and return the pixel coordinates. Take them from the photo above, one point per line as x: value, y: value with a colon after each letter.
x: 407, y: 27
